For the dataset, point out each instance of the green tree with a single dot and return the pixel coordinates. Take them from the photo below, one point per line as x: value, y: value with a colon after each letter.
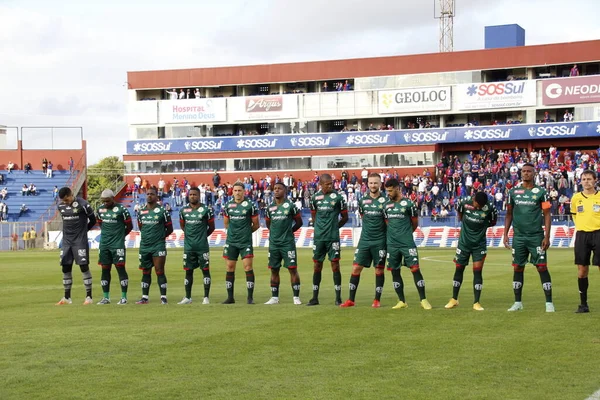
x: 106, y: 174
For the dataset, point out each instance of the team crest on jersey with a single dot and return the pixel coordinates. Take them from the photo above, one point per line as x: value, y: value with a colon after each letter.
x: 332, y: 195
x: 596, y: 207
x: 535, y: 190
x: 381, y: 200
x: 75, y: 204
x: 403, y: 203
x: 319, y: 197
x: 157, y: 210
x: 201, y: 209
x: 244, y: 204
x: 116, y: 209
x: 286, y: 205
x: 485, y: 208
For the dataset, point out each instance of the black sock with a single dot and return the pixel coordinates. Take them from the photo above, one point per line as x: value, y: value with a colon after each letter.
x: 296, y: 289
x: 457, y: 280
x: 146, y: 282
x: 250, y: 283
x: 518, y: 284
x: 546, y: 284
x: 398, y: 284
x: 87, y: 279
x: 419, y: 283
x: 477, y: 284
x: 188, y: 283
x: 105, y: 282
x: 379, y: 282
x: 274, y: 287
x: 207, y: 281
x: 316, y: 283
x: 353, y: 285
x: 229, y: 283
x: 162, y: 283
x: 337, y: 285
x: 123, y: 280
x: 583, y: 287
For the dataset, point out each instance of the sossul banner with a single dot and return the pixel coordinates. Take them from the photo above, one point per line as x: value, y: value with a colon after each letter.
x: 479, y: 96
x: 415, y: 99
x: 573, y: 90
x: 367, y: 139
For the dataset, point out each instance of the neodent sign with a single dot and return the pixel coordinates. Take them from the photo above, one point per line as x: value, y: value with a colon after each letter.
x: 367, y: 139
x: 415, y: 99
x: 573, y: 90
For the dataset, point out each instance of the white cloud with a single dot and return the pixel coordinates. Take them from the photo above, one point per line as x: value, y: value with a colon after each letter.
x: 65, y: 62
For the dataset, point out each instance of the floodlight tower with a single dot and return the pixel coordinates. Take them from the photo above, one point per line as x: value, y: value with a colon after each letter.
x: 445, y: 10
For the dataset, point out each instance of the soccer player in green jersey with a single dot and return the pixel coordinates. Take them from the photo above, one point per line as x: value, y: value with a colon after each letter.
x: 402, y: 220
x: 476, y: 215
x: 371, y: 246
x: 155, y: 225
x: 197, y: 223
x: 241, y: 219
x: 115, y: 222
x: 283, y: 219
x: 326, y: 208
x: 528, y: 211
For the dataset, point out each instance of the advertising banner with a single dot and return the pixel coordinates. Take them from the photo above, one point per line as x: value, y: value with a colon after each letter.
x: 367, y: 138
x: 264, y: 107
x: 490, y: 95
x: 193, y: 110
x: 573, y: 90
x: 415, y: 100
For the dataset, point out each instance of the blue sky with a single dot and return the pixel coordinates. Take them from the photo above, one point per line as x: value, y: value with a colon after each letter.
x: 65, y: 62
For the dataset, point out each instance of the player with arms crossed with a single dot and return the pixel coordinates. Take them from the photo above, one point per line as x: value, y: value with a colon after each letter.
x: 241, y: 219
x: 528, y: 211
x: 115, y: 224
x: 371, y: 246
x: 585, y: 207
x: 155, y: 225
x: 402, y: 220
x: 283, y: 219
x: 326, y: 208
x: 197, y: 223
x: 78, y: 218
x: 476, y: 216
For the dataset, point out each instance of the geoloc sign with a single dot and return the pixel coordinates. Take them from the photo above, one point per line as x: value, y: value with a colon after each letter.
x: 367, y: 139
x: 414, y: 100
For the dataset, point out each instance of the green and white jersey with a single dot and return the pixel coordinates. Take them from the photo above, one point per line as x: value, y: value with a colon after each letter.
x: 113, y: 224
x: 528, y: 218
x: 196, y: 226
x: 328, y: 208
x: 399, y: 216
x: 153, y: 223
x: 475, y: 223
x: 240, y: 216
x: 282, y: 217
x: 373, y: 218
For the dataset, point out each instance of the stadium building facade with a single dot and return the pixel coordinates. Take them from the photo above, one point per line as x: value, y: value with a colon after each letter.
x: 386, y: 113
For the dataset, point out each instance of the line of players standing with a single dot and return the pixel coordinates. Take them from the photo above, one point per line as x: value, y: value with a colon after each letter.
x: 387, y: 234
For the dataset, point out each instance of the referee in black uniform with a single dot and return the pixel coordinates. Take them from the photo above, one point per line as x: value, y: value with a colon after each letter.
x: 585, y: 208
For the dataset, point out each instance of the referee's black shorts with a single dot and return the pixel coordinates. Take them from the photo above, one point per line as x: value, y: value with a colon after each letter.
x: 585, y: 243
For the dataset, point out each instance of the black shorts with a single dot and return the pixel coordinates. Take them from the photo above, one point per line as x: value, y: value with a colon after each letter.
x: 585, y: 243
x: 78, y: 253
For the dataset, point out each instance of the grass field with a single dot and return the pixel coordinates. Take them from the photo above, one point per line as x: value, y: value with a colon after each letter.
x: 297, y: 352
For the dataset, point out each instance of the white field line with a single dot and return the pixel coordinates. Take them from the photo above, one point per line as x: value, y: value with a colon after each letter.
x: 595, y: 396
x: 449, y: 261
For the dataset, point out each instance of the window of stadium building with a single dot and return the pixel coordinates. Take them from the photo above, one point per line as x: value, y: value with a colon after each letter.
x: 272, y: 163
x: 147, y: 133
x: 373, y: 160
x: 174, y: 166
x: 182, y: 131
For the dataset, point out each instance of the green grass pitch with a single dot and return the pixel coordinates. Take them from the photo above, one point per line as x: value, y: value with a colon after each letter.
x: 297, y: 352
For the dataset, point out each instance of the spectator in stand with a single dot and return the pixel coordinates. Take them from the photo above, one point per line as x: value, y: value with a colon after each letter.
x: 49, y: 170
x: 161, y: 187
x: 172, y: 94
x: 346, y: 85
x: 324, y: 88
x: 188, y: 94
x: 567, y: 117
x: 574, y: 71
x: 71, y: 164
x: 54, y: 193
x: 32, y: 190
x: 181, y: 94
x: 547, y: 117
x: 3, y: 193
x: 197, y: 93
x: 24, y: 190
x: 3, y: 212
x: 32, y: 237
x: 23, y: 210
x: 27, y: 168
x: 44, y: 165
x: 1, y: 179
x: 10, y: 166
x: 216, y: 179
x: 15, y: 241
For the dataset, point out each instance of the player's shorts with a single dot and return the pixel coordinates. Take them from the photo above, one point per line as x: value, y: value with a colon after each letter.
x: 78, y: 254
x: 368, y: 253
x: 528, y: 249
x: 283, y: 255
x: 476, y: 253
x: 399, y: 256
x: 146, y: 257
x: 329, y: 249
x: 196, y: 259
x: 112, y: 256
x: 585, y: 243
x: 232, y: 252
